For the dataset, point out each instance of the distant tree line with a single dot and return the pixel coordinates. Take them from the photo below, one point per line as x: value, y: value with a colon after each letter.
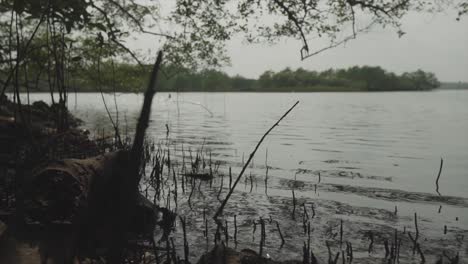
x: 130, y: 78
x: 93, y: 66
x: 123, y: 77
x: 365, y: 78
x: 454, y: 85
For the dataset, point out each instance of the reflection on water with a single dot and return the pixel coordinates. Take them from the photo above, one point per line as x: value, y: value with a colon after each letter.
x: 371, y: 151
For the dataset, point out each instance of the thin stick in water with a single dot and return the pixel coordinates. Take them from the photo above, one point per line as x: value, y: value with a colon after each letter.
x: 235, y: 229
x: 281, y: 234
x: 438, y: 176
x: 294, y: 205
x: 221, y: 208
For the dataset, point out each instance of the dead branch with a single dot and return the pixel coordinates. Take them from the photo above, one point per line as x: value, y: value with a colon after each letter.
x: 438, y: 176
x: 143, y: 120
x: 220, y: 209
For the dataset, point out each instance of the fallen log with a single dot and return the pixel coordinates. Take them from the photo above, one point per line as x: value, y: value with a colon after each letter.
x: 80, y: 196
x: 73, y: 189
x: 95, y: 199
x: 62, y: 189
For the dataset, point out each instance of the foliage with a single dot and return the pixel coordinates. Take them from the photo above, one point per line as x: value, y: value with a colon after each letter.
x: 355, y: 78
x: 124, y: 77
x: 463, y: 9
x: 193, y: 32
x: 454, y: 85
x: 63, y: 42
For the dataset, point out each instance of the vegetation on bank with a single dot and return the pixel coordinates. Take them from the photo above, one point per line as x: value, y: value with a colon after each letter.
x: 123, y: 77
x: 454, y: 85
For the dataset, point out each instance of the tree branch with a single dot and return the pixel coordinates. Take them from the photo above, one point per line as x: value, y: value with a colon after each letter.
x: 341, y: 42
x: 137, y: 22
x: 221, y: 208
x: 296, y: 22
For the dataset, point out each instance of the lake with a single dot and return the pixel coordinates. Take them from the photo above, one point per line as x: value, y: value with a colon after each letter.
x: 368, y: 159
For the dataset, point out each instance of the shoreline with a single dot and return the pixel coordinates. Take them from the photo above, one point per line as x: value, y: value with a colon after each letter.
x: 248, y: 92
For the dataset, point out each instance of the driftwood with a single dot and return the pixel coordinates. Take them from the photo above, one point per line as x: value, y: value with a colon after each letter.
x: 78, y: 196
x: 62, y: 189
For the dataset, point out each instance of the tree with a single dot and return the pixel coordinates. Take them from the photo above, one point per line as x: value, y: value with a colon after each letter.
x: 266, y: 79
x: 364, y: 78
x: 192, y: 33
x: 463, y: 9
x: 420, y: 80
x: 197, y: 29
x: 240, y: 83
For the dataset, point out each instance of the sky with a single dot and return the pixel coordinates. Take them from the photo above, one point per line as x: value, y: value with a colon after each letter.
x: 433, y: 42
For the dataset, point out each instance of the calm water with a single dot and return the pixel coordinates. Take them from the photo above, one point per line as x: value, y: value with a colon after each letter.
x: 373, y: 151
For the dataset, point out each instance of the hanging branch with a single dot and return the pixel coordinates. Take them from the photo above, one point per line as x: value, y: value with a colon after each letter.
x: 335, y: 44
x: 220, y: 209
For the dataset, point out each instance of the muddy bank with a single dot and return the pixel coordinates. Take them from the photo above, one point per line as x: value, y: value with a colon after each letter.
x: 58, y: 189
x: 337, y: 224
x: 31, y: 140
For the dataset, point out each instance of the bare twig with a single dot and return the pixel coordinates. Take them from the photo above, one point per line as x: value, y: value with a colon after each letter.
x: 417, y: 229
x: 421, y: 254
x: 294, y: 205
x: 114, y: 124
x: 341, y: 232
x: 221, y: 208
x: 201, y: 105
x: 281, y: 234
x: 371, y: 244
x: 438, y: 176
x: 335, y: 44
x: 186, y: 247
x: 235, y: 229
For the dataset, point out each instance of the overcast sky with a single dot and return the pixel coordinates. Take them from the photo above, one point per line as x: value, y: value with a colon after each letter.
x: 433, y: 42
x: 436, y: 43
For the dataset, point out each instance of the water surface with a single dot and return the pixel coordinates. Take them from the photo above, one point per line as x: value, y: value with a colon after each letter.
x: 373, y: 151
